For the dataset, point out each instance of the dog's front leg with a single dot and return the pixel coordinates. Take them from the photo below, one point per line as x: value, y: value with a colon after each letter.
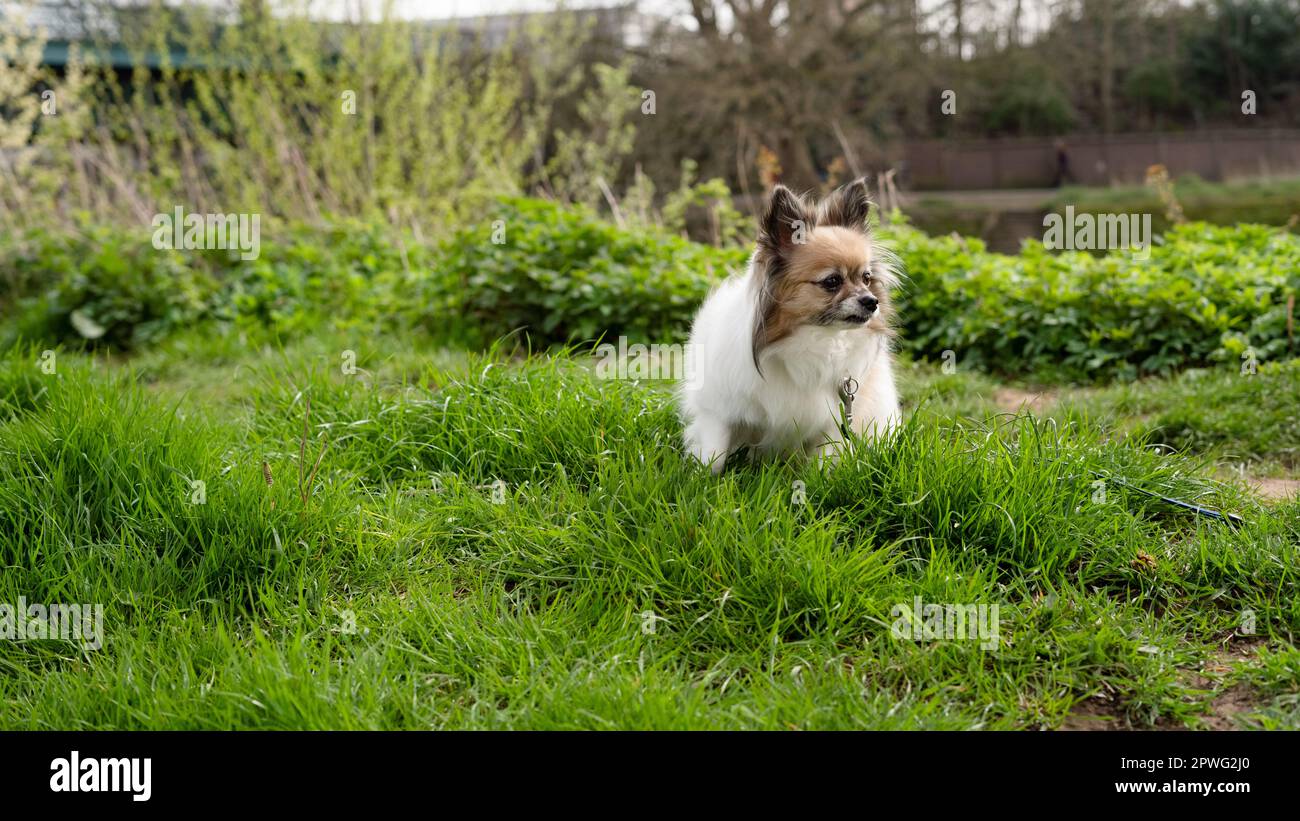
x: 708, y: 439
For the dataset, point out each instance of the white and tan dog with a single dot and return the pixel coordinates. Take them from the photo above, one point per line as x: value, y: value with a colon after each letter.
x: 777, y: 353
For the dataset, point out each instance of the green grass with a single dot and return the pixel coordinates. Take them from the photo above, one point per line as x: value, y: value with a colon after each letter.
x: 1266, y: 202
x: 486, y: 534
x: 1246, y: 420
x: 1238, y: 421
x: 1206, y: 296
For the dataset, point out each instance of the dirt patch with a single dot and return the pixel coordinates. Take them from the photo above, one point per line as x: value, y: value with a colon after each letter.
x: 1275, y: 489
x: 1266, y: 487
x: 1015, y: 400
x: 1096, y: 714
x: 1099, y: 713
x: 1228, y: 705
x: 1237, y: 699
x: 1093, y: 714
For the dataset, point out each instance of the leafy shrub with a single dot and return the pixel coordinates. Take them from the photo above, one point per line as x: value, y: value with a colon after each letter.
x: 394, y: 119
x: 565, y: 275
x: 348, y: 272
x: 1207, y: 294
x: 109, y: 288
x: 102, y: 286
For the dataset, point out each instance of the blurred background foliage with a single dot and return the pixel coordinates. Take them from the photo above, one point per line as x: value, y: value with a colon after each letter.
x: 620, y: 153
x: 263, y: 107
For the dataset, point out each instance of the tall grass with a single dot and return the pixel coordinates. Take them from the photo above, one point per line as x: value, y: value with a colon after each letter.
x: 497, y: 544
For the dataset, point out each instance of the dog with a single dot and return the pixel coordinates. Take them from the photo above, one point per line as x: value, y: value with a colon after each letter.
x: 782, y: 356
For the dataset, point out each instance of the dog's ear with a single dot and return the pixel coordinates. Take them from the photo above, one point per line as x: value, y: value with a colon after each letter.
x: 848, y: 206
x: 786, y: 223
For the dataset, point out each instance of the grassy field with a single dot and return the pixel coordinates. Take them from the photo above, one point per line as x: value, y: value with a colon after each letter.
x: 1004, y: 218
x: 440, y: 539
x: 1267, y: 202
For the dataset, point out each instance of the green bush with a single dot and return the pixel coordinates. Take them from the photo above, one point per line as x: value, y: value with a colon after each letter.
x: 565, y: 275
x: 348, y: 272
x: 1206, y: 295
x: 102, y: 286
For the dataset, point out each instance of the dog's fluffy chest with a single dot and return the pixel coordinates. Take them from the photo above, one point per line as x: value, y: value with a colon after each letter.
x: 801, y: 399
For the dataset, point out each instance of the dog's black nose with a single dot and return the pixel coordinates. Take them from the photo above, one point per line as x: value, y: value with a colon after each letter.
x: 868, y: 302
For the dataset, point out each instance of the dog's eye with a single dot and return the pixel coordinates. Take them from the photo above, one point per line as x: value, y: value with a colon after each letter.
x: 832, y: 282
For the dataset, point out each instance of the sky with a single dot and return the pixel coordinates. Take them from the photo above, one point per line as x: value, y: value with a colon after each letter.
x: 1035, y: 16
x: 442, y: 9
x: 1034, y: 10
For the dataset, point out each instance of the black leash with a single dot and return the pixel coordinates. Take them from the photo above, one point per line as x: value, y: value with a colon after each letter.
x: 1227, y: 518
x: 848, y: 390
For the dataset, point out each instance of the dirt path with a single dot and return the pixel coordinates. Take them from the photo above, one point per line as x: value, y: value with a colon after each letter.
x: 1015, y: 400
x: 1011, y: 199
x: 1275, y: 489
